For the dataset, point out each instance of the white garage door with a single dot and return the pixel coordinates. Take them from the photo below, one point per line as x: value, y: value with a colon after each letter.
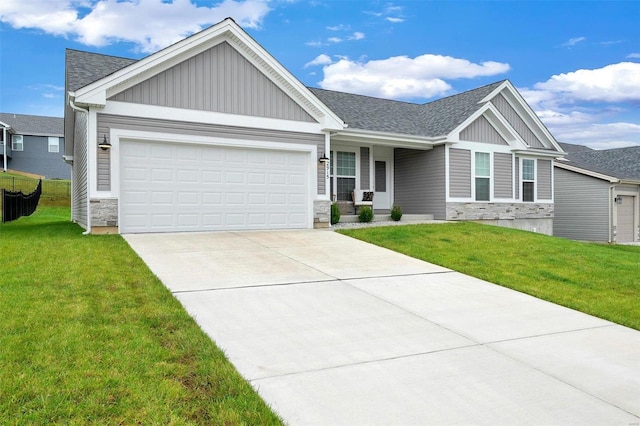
x: 168, y: 187
x: 626, y: 213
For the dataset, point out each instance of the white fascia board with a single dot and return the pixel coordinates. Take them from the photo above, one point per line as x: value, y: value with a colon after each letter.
x: 586, y: 172
x: 387, y: 139
x: 5, y: 125
x: 538, y: 152
x: 208, y: 117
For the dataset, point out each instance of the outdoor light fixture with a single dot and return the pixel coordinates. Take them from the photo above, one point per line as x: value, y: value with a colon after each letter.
x: 323, y: 159
x: 618, y: 200
x: 104, y: 145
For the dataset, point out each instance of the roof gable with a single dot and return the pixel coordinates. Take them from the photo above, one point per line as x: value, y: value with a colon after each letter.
x: 218, y: 79
x: 97, y: 92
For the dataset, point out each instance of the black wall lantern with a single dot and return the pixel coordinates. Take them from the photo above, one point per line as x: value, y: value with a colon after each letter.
x: 104, y: 145
x: 323, y: 159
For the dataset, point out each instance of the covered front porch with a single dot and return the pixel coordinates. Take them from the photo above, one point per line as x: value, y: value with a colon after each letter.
x: 409, y: 174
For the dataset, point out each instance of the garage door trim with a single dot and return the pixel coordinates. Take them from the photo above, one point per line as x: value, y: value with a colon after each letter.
x: 122, y: 135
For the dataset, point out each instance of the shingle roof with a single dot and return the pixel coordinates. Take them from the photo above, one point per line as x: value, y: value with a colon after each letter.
x: 570, y: 147
x: 621, y: 163
x: 437, y: 118
x: 34, y: 125
x: 83, y: 68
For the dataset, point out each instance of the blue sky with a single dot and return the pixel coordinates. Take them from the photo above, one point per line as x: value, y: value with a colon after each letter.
x: 577, y: 63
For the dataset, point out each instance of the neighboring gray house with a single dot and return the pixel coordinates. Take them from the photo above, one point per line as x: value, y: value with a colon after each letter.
x: 213, y: 133
x: 35, y: 144
x: 597, y: 194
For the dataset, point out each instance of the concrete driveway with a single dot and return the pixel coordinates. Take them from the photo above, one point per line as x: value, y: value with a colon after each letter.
x: 334, y: 331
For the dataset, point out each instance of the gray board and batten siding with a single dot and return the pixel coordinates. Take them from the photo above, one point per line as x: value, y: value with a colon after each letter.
x: 365, y: 181
x: 459, y: 173
x: 544, y: 179
x: 220, y: 80
x: 581, y: 207
x: 79, y: 170
x: 503, y: 175
x: 516, y: 121
x: 106, y: 122
x: 480, y: 130
x: 419, y: 181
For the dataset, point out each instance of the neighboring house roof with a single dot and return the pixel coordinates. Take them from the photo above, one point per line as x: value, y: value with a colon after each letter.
x: 33, y: 125
x: 437, y: 118
x: 85, y: 67
x: 621, y: 163
x: 570, y: 147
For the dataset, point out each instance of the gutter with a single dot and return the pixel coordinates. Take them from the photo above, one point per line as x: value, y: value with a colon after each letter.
x: 77, y: 108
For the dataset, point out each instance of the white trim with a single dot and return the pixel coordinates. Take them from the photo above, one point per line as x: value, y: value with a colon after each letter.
x: 21, y: 137
x: 345, y: 148
x: 394, y: 140
x: 534, y: 180
x: 208, y: 117
x: 474, y: 176
x: 118, y: 136
x: 56, y: 144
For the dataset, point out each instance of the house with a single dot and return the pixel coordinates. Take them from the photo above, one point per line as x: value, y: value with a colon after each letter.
x: 213, y: 133
x: 34, y: 145
x: 597, y: 194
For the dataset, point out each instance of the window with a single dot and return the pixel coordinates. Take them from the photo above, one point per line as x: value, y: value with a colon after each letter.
x: 483, y: 176
x: 54, y: 144
x: 528, y: 180
x: 343, y: 174
x: 16, y: 142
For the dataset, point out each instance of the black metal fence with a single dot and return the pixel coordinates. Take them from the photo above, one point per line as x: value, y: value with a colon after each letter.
x: 51, y: 188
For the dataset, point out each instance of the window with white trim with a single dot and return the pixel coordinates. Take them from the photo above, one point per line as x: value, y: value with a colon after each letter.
x: 483, y: 176
x: 54, y: 144
x: 17, y: 142
x: 528, y: 180
x: 343, y: 174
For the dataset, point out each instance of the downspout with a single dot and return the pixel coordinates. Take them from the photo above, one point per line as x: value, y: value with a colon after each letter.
x: 77, y: 108
x: 611, y: 187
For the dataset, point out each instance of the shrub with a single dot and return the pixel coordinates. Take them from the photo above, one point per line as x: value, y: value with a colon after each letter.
x: 335, y: 213
x: 396, y: 212
x: 366, y: 214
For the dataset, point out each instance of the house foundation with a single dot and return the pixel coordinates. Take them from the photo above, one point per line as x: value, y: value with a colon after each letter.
x: 533, y: 217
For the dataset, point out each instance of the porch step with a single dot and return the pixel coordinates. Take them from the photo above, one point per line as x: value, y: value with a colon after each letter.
x: 384, y: 217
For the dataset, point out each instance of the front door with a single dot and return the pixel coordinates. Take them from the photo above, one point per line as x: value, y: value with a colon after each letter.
x: 382, y: 184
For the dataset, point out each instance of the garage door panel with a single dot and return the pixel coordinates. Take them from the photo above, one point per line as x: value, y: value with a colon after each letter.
x: 168, y: 187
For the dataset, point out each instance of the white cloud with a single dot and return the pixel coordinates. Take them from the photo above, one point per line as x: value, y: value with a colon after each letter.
x: 314, y: 44
x: 403, y: 77
x: 612, y: 83
x: 573, y: 41
x: 340, y: 27
x: 108, y: 21
x: 633, y: 55
x: 321, y: 59
x: 393, y: 20
x: 334, y: 40
x: 356, y: 36
x: 585, y: 106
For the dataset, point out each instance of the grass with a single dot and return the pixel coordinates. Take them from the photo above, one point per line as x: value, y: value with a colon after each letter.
x: 601, y: 280
x: 91, y: 336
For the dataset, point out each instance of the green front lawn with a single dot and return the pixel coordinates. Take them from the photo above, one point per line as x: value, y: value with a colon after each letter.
x: 601, y: 280
x: 90, y: 335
